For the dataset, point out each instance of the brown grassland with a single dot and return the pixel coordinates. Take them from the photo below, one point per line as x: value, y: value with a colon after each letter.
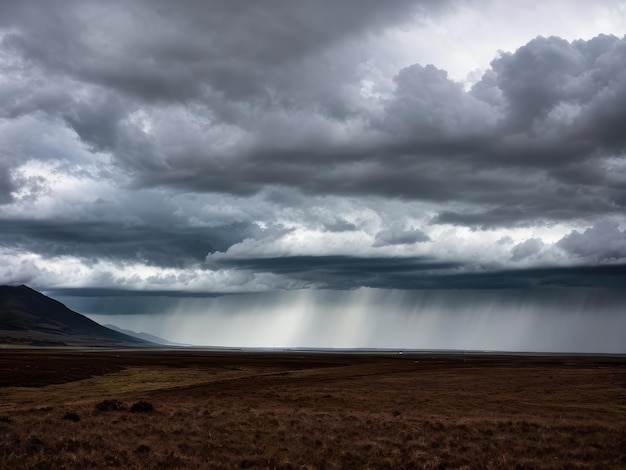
x: 297, y: 410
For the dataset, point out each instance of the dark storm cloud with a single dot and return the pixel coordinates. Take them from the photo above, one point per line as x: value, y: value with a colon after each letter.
x: 339, y: 272
x: 551, y: 72
x: 124, y: 293
x: 558, y: 119
x: 541, y: 152
x: 226, y: 63
x: 245, y: 97
x: 612, y: 276
x: 346, y: 272
x: 161, y: 51
x: 430, y: 111
x: 92, y: 65
x: 156, y: 245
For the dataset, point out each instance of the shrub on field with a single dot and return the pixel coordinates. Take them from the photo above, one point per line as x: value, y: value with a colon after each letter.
x: 141, y: 407
x: 142, y: 449
x: 110, y: 405
x: 71, y: 416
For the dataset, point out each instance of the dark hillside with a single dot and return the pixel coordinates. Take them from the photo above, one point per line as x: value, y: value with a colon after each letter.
x: 31, y: 318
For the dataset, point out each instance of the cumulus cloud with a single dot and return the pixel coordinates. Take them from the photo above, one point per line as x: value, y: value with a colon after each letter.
x: 340, y: 225
x: 604, y: 241
x: 429, y: 108
x: 396, y: 235
x: 523, y: 250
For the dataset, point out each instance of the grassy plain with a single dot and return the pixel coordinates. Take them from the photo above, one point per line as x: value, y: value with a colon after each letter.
x: 298, y: 410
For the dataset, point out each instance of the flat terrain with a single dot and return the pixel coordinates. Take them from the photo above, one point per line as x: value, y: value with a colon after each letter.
x: 309, y: 410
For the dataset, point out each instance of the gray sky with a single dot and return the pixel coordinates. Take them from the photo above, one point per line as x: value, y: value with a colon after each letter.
x: 218, y: 147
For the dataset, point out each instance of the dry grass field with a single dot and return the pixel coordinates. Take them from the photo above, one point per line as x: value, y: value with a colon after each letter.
x: 309, y: 410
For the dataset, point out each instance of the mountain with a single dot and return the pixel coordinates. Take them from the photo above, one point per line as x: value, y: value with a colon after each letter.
x: 31, y: 318
x: 145, y: 336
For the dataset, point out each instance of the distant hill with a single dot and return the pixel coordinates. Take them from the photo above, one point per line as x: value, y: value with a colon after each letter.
x: 145, y: 336
x: 28, y: 317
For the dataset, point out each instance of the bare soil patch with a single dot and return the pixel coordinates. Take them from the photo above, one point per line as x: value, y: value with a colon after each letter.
x: 297, y: 410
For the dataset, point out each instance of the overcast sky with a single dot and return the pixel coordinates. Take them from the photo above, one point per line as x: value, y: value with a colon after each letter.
x: 198, y: 148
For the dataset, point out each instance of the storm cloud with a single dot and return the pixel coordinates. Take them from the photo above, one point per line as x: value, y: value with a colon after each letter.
x: 159, y: 245
x: 272, y: 95
x: 214, y: 148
